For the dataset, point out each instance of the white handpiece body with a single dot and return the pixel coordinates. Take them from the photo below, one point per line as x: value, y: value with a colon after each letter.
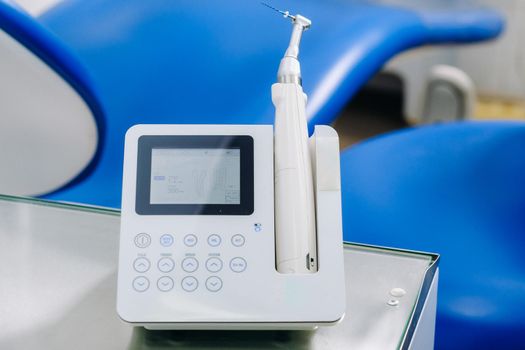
x: 296, y: 242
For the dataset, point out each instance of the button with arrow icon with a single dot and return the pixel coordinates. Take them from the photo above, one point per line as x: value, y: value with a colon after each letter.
x: 141, y: 265
x: 165, y: 284
x: 214, y: 264
x: 166, y: 264
x: 189, y: 283
x: 140, y: 284
x: 190, y: 265
x: 213, y: 284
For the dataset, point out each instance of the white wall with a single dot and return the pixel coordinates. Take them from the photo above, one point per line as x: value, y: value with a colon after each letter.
x: 498, y: 68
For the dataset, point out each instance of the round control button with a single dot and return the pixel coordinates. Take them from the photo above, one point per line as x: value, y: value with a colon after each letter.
x: 213, y: 284
x: 214, y: 240
x: 189, y: 283
x: 141, y: 265
x: 214, y: 264
x: 142, y: 240
x: 190, y: 264
x: 140, y: 284
x: 238, y: 240
x: 165, y: 284
x: 238, y: 264
x: 190, y: 240
x: 166, y: 240
x: 166, y: 264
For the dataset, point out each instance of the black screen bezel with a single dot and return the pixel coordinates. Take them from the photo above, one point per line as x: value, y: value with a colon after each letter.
x: 147, y: 142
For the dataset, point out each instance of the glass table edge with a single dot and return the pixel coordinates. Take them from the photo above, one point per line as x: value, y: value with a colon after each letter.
x: 60, y: 205
x: 424, y: 290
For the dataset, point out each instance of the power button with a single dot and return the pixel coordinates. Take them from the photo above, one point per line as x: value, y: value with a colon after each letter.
x: 142, y: 240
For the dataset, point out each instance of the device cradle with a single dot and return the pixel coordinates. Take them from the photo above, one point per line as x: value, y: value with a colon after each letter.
x: 259, y: 297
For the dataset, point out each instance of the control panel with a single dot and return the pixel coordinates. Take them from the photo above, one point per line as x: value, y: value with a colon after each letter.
x: 197, y: 221
x: 160, y: 263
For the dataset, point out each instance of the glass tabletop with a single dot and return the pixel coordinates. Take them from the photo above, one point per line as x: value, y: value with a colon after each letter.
x: 59, y: 269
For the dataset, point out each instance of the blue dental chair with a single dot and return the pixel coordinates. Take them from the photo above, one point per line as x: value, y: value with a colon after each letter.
x: 210, y: 62
x: 456, y: 189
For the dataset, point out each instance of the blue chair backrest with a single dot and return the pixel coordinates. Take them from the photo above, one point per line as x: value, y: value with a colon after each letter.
x: 214, y: 62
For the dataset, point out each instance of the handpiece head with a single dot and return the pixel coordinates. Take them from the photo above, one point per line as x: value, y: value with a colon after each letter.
x: 289, y: 70
x: 304, y: 22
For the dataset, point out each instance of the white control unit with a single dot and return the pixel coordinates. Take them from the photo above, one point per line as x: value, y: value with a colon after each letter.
x: 197, y: 244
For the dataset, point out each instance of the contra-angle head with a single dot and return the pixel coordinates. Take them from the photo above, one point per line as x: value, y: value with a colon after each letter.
x: 289, y: 69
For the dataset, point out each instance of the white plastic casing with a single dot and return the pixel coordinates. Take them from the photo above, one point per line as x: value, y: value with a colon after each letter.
x: 257, y: 298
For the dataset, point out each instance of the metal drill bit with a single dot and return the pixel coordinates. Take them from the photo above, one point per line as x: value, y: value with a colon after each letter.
x: 286, y: 14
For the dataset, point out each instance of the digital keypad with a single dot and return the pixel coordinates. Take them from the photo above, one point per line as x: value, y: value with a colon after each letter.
x: 189, y: 264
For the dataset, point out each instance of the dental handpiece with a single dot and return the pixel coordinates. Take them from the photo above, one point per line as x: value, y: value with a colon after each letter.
x: 295, y: 233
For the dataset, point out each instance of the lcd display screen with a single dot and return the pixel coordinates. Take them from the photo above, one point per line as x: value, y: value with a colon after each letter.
x: 195, y: 176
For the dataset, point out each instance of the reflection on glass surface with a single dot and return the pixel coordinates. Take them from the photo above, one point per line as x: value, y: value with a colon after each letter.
x: 149, y: 339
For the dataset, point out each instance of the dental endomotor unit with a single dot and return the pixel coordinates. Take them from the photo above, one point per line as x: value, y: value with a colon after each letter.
x: 234, y: 226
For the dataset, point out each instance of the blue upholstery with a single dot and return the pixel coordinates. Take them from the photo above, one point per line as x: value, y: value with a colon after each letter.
x: 214, y: 62
x: 458, y: 190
